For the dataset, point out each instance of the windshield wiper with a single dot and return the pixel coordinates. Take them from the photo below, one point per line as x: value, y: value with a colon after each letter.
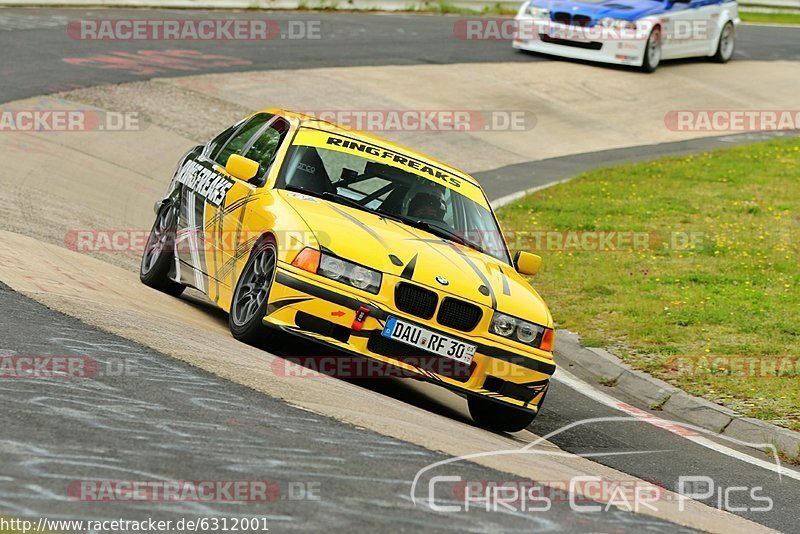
x: 335, y: 197
x: 327, y: 195
x: 296, y: 189
x: 387, y: 215
x: 440, y: 231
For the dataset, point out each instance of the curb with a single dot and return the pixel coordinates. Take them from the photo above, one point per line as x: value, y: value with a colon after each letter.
x: 661, y: 396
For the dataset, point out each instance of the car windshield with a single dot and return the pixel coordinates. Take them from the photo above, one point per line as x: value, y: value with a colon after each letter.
x: 371, y: 178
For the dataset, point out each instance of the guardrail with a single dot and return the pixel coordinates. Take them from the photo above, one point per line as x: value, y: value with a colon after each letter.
x: 782, y: 5
x: 771, y: 6
x: 345, y: 5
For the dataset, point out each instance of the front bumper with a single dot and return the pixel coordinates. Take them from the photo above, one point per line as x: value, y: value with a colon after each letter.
x: 577, y: 43
x: 307, y: 305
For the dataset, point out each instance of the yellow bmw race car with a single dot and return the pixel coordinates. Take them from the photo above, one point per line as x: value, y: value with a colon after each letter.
x: 295, y: 224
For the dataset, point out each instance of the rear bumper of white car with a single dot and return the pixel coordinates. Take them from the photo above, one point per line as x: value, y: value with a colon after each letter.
x: 617, y: 51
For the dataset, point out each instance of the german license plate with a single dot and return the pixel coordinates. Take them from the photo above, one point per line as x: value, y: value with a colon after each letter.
x: 431, y: 341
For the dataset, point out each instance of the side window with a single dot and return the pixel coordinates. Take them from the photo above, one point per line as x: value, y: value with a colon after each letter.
x: 239, y: 139
x: 263, y: 149
x: 219, y: 141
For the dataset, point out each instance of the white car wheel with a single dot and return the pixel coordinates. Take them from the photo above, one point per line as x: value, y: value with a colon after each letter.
x: 727, y: 43
x: 652, y: 52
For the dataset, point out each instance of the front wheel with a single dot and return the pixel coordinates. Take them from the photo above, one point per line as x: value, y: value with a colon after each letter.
x: 159, y: 253
x: 249, y: 304
x: 727, y: 43
x: 496, y: 416
x: 652, y: 52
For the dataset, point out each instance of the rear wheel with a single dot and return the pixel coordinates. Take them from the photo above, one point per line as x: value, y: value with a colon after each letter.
x: 652, y: 52
x: 496, y: 416
x: 727, y: 44
x: 249, y: 304
x: 159, y: 253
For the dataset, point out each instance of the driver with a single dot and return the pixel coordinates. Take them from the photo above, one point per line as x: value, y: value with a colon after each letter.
x: 428, y: 204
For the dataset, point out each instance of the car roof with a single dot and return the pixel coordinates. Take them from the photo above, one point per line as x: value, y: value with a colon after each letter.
x: 314, y: 122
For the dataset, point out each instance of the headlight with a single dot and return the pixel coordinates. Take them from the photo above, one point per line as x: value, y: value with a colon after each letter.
x: 609, y: 22
x: 338, y: 269
x: 527, y: 332
x: 522, y: 331
x: 331, y: 267
x: 365, y: 279
x: 503, y: 325
x: 539, y: 12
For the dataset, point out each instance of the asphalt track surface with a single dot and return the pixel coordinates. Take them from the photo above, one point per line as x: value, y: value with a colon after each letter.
x: 151, y: 417
x: 364, y: 477
x: 35, y: 45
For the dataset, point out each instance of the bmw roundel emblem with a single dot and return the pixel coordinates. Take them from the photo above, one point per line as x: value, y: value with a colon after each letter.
x: 442, y: 280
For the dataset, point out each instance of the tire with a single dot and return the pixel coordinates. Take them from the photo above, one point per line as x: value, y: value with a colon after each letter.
x: 159, y: 253
x: 652, y: 52
x: 495, y: 416
x: 726, y: 44
x: 250, y: 298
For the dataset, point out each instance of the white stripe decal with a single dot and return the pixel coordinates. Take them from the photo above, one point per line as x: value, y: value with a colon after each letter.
x: 193, y: 245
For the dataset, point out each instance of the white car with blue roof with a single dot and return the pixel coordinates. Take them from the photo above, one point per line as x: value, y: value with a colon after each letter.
x: 639, y: 33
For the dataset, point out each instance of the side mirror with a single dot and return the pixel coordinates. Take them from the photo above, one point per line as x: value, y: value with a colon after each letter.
x: 241, y: 167
x: 527, y: 263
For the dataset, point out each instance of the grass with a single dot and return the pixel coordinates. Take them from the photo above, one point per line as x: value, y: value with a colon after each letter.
x: 607, y: 381
x: 770, y: 18
x: 446, y: 8
x: 711, y: 303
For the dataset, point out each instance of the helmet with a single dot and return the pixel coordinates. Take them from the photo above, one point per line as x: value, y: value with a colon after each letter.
x: 425, y: 203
